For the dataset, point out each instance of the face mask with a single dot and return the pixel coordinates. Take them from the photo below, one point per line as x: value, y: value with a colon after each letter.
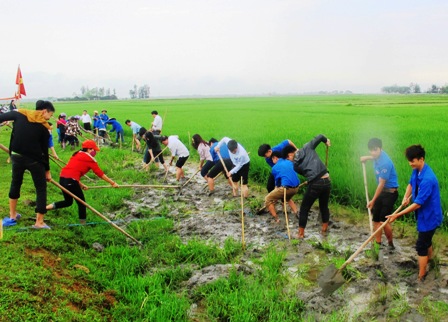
x: 93, y: 153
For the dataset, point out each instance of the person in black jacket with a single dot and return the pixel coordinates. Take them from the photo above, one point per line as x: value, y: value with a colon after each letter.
x: 28, y: 149
x: 152, y: 150
x: 308, y: 164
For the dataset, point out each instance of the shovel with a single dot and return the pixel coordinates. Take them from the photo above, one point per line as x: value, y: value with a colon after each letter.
x: 331, y: 278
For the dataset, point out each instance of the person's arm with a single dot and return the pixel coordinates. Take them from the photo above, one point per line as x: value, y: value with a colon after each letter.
x: 53, y: 152
x: 318, y: 139
x: 378, y: 191
x: 224, y: 140
x: 292, y: 144
x: 406, y: 198
x: 365, y: 158
x: 110, y: 181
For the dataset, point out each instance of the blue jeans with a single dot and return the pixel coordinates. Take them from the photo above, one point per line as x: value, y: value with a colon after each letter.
x: 20, y: 163
x: 317, y: 189
x: 118, y: 135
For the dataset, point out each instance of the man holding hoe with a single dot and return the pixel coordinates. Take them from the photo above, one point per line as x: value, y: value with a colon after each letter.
x: 265, y: 150
x: 386, y: 192
x: 308, y: 164
x: 424, y: 189
x: 285, y: 178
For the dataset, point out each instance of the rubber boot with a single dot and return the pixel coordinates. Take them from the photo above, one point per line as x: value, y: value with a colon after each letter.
x: 324, y: 228
x: 301, y: 233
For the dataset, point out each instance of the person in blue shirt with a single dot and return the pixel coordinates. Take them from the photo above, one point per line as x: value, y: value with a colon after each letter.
x: 265, y: 151
x: 285, y: 178
x: 116, y: 127
x: 426, y: 204
x: 386, y: 193
x: 217, y: 167
x: 103, y: 116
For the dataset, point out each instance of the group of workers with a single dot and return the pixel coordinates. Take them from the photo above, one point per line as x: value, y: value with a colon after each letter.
x: 29, y: 151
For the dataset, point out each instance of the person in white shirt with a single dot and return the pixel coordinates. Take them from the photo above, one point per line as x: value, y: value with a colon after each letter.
x: 241, y: 161
x: 86, y: 121
x: 156, y: 126
x: 178, y: 149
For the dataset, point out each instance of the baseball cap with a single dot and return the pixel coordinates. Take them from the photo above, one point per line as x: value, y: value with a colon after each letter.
x: 90, y: 144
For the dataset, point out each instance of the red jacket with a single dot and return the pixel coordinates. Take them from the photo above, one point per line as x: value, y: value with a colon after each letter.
x: 79, y: 165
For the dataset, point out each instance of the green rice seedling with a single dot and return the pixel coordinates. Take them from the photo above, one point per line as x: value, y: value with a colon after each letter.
x: 326, y: 245
x: 373, y: 252
x: 433, y: 310
x: 398, y: 306
x: 380, y: 293
x: 301, y: 277
x: 381, y: 274
x: 406, y: 272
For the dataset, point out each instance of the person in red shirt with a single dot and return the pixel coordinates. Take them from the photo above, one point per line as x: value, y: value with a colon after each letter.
x: 79, y: 164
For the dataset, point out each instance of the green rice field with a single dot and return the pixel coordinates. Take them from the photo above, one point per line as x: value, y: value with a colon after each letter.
x: 56, y: 275
x: 348, y: 120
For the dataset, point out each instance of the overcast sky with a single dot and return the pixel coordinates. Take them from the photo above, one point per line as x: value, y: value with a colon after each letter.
x: 208, y: 47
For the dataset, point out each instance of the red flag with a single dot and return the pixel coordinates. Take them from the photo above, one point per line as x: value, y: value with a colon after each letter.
x: 19, y: 82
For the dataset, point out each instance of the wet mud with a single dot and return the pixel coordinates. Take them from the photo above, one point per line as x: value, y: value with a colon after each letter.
x: 374, y: 285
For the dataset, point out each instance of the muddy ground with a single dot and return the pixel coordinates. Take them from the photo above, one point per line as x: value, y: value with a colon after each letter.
x: 198, y: 215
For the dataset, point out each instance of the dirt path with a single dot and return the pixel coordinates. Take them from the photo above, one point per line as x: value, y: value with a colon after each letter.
x: 379, y: 289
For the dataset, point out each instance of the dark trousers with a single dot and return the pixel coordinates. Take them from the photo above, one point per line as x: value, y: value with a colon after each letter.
x: 72, y: 186
x: 317, y: 189
x: 147, y: 157
x: 87, y: 127
x: 206, y: 167
x: 20, y: 163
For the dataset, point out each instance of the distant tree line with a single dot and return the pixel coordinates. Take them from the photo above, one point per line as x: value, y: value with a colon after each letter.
x: 139, y: 92
x: 96, y: 93
x: 414, y: 88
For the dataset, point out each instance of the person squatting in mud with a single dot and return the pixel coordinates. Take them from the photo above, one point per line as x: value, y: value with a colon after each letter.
x: 241, y: 164
x: 286, y: 182
x: 178, y: 149
x: 424, y: 189
x: 217, y: 165
x: 80, y: 163
x: 386, y: 193
x: 265, y: 151
x: 308, y: 164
